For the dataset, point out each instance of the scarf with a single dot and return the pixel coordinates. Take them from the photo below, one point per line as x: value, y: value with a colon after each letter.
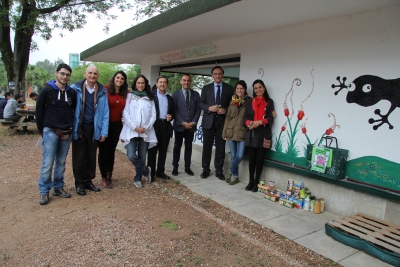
x: 140, y: 94
x: 238, y: 101
x: 259, y: 105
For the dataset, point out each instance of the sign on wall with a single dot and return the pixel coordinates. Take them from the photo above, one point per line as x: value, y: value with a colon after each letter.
x: 192, y: 52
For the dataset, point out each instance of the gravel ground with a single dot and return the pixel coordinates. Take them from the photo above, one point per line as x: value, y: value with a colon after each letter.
x: 162, y: 224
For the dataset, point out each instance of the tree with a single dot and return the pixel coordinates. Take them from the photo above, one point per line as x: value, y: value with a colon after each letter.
x: 150, y: 8
x: 25, y: 18
x: 48, y: 66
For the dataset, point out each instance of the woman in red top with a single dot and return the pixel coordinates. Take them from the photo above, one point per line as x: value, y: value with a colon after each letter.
x: 258, y: 119
x: 117, y: 91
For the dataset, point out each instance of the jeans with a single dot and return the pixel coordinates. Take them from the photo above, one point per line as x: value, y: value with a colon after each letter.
x: 138, y: 160
x: 54, y: 152
x: 237, y: 151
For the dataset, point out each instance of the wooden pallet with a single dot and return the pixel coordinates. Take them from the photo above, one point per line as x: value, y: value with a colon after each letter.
x: 378, y: 232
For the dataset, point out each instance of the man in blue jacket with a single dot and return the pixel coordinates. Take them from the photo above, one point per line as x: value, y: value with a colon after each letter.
x: 90, y: 127
x: 54, y: 119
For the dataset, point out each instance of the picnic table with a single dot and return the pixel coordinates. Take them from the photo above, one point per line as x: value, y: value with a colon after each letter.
x: 24, y: 113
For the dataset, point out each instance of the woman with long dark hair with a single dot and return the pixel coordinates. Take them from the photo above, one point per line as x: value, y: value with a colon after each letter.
x: 138, y: 132
x: 234, y: 129
x: 117, y: 92
x: 258, y: 119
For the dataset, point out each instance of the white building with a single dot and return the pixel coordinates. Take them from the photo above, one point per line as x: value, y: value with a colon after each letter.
x: 278, y: 41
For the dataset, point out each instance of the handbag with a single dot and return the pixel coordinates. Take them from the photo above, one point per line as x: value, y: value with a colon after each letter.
x: 267, y: 143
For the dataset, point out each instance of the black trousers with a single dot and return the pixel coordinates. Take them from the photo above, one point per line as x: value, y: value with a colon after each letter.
x: 179, y: 136
x: 162, y: 147
x: 208, y: 139
x: 107, y: 148
x: 84, y: 157
x: 256, y: 163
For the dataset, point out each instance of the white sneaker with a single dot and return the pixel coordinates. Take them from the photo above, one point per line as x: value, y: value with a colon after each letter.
x: 148, y: 176
x: 138, y: 184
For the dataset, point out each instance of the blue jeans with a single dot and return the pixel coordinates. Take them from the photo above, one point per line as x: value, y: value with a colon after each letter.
x: 237, y: 151
x: 55, y: 152
x: 138, y: 160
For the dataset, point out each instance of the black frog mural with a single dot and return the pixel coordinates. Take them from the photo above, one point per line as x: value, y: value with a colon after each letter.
x: 368, y: 90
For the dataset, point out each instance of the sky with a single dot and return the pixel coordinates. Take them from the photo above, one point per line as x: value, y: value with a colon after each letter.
x: 80, y: 40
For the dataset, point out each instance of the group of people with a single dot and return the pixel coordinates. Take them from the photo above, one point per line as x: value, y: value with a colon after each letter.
x: 90, y: 115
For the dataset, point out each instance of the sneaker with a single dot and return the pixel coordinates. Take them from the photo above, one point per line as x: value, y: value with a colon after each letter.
x: 61, y: 193
x: 148, y: 176
x: 235, y: 180
x: 44, y: 199
x: 138, y: 184
x: 228, y: 177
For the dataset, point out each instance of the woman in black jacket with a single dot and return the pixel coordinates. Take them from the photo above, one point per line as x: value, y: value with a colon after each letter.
x: 258, y: 119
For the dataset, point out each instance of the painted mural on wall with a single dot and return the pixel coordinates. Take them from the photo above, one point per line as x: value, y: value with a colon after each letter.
x: 290, y: 143
x: 368, y: 90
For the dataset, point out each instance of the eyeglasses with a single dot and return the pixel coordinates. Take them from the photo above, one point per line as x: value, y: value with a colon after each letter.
x: 65, y: 74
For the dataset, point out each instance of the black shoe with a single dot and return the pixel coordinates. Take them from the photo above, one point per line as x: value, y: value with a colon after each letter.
x: 44, y: 199
x: 92, y: 187
x: 163, y: 176
x: 249, y: 185
x: 61, y: 193
x: 255, y: 188
x: 80, y: 191
x: 204, y: 175
x: 220, y: 176
x: 175, y: 172
x: 189, y: 172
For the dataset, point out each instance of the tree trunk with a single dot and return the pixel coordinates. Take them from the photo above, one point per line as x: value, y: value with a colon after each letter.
x: 5, y: 41
x: 22, y: 46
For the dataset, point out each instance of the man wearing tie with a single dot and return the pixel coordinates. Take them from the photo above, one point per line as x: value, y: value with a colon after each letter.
x: 187, y: 114
x: 214, y: 101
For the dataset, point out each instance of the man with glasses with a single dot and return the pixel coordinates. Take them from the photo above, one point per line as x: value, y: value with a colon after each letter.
x: 90, y: 128
x: 54, y: 119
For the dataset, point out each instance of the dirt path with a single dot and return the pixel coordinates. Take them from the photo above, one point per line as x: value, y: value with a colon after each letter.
x: 163, y: 224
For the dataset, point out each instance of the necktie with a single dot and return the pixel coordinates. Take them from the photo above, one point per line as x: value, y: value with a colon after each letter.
x: 187, y: 98
x: 218, y: 97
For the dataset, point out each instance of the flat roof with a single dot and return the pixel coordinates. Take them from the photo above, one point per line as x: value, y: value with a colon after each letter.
x: 199, y: 22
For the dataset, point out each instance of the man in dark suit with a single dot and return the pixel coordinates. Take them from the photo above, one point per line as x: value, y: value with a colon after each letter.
x: 165, y: 111
x: 214, y: 101
x: 187, y: 114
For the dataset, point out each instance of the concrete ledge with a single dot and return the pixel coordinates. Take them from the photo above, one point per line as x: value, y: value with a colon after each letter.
x: 338, y: 199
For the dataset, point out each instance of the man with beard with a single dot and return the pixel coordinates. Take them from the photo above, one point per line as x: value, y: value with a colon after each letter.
x: 54, y: 119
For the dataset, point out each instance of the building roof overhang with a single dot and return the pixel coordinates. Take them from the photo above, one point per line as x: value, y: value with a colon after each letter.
x: 199, y: 22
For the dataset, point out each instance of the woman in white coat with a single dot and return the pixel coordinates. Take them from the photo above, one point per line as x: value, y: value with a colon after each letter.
x: 138, y: 132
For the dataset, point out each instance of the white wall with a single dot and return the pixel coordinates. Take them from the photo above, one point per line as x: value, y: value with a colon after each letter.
x: 351, y: 46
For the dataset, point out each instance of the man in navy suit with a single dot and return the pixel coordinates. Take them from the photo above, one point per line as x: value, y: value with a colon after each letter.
x: 187, y: 114
x: 165, y: 113
x: 214, y: 101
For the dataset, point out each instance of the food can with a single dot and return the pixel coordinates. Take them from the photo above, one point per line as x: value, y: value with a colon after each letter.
x: 312, y: 204
x: 306, y: 206
x: 322, y: 204
x: 262, y: 182
x: 317, y: 206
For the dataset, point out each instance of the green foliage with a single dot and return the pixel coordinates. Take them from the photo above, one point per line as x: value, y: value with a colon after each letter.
x: 150, y: 8
x: 169, y: 225
x: 48, y: 66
